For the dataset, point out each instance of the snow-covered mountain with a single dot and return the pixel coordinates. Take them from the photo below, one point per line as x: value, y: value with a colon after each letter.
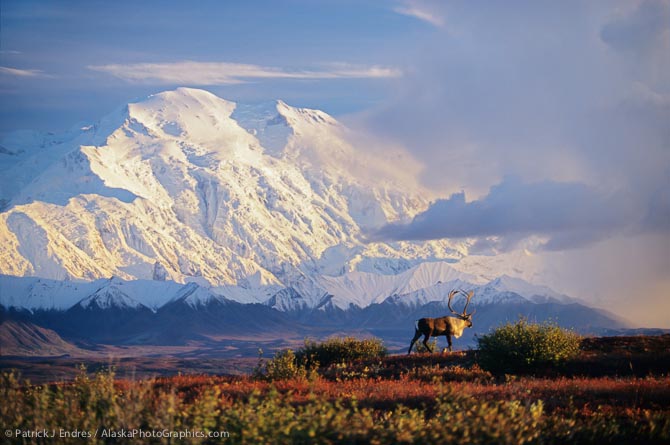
x: 197, y: 297
x: 109, y: 297
x: 186, y: 186
x: 114, y: 311
x: 40, y: 294
x: 241, y: 216
x: 425, y: 283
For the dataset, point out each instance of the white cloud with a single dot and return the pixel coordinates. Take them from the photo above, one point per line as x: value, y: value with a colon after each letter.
x: 22, y: 73
x: 422, y: 12
x: 225, y: 73
x: 534, y: 91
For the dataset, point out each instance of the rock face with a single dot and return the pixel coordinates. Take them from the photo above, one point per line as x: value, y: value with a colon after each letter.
x: 160, y: 273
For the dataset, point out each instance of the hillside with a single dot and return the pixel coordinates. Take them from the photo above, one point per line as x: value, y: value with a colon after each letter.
x: 20, y: 338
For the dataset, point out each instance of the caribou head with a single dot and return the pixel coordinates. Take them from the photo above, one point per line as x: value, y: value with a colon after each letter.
x: 463, y: 316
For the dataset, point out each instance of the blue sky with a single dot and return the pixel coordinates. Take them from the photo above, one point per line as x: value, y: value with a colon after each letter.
x: 510, y: 106
x: 57, y: 43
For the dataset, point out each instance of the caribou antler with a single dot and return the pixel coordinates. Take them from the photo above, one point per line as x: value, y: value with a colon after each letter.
x: 468, y: 295
x: 451, y: 295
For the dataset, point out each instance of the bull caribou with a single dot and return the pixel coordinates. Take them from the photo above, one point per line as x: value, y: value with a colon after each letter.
x: 448, y: 326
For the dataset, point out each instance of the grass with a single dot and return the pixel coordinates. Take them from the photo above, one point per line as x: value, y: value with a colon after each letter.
x: 422, y: 398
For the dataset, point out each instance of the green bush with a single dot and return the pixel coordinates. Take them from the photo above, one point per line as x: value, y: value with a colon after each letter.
x: 340, y: 350
x: 283, y: 366
x: 288, y: 364
x: 522, y: 347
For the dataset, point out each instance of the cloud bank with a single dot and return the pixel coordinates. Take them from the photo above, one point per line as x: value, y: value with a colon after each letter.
x: 572, y: 98
x: 225, y: 73
x: 570, y: 214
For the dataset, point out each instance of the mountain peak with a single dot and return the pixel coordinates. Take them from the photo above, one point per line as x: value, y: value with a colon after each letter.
x: 110, y: 296
x: 193, y: 92
x: 297, y: 116
x: 211, y: 190
x: 182, y: 99
x: 196, y: 296
x: 182, y: 96
x: 184, y: 112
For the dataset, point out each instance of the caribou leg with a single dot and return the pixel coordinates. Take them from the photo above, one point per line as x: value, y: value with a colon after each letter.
x: 417, y: 334
x: 426, y: 337
x: 449, y: 341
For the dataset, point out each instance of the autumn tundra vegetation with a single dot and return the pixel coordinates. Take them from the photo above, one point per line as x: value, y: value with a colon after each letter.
x: 525, y: 383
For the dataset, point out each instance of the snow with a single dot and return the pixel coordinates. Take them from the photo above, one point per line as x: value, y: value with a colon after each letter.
x: 174, y: 179
x: 422, y: 284
x: 107, y: 297
x: 536, y: 293
x: 33, y: 293
x: 364, y: 288
x: 196, y: 296
x: 264, y: 122
x: 253, y: 202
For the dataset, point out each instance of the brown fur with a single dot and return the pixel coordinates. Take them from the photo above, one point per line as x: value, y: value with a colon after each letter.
x: 434, y: 327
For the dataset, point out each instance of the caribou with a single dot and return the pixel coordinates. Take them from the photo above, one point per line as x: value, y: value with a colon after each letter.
x: 448, y: 326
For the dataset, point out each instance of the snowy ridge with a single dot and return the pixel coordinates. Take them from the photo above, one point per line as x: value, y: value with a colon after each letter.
x: 197, y: 297
x: 535, y: 293
x: 438, y: 293
x: 30, y: 293
x: 501, y: 290
x: 110, y: 297
x: 430, y: 282
x: 422, y: 284
x: 363, y: 288
x: 34, y: 294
